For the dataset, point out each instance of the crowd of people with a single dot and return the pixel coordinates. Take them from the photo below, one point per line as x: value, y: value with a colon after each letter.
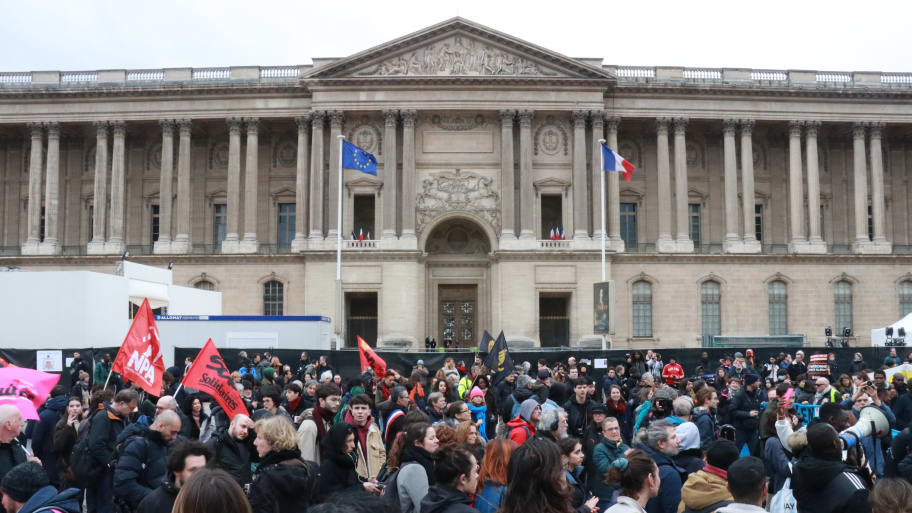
x: 732, y: 435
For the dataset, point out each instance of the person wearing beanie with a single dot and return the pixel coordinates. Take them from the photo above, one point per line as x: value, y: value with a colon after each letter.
x: 26, y: 488
x: 479, y: 411
x: 522, y: 427
x: 707, y: 489
x: 745, y: 412
x: 268, y: 377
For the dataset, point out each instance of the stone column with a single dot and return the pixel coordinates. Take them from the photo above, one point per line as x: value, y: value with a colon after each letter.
x: 815, y: 243
x: 580, y: 194
x: 507, y: 199
x: 301, y: 184
x: 96, y: 246
x: 598, y: 132
x: 860, y: 173
x: 232, y: 225
x: 682, y: 241
x: 408, y: 177
x: 116, y: 243
x: 527, y: 196
x: 732, y: 242
x: 316, y: 176
x: 249, y: 243
x: 390, y: 118
x: 50, y: 245
x: 748, y: 200
x: 34, y: 190
x: 612, y: 182
x: 163, y: 244
x: 181, y: 242
x: 878, y: 209
x: 336, y: 118
x: 664, y: 244
x: 796, y: 191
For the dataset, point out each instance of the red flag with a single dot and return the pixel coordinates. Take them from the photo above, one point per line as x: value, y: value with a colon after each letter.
x: 361, y: 234
x: 210, y: 374
x: 139, y: 359
x: 370, y: 359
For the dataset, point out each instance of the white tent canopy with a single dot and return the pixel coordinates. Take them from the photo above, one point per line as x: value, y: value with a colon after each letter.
x: 879, y: 335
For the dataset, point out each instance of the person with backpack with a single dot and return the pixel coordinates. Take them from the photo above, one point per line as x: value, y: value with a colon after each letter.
x: 522, y: 427
x: 412, y: 466
x: 142, y: 457
x: 26, y: 489
x: 43, y: 434
x: 706, y: 490
x: 93, y: 462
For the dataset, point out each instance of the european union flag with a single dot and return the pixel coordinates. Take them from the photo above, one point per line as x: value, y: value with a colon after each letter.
x: 357, y: 159
x: 498, y: 360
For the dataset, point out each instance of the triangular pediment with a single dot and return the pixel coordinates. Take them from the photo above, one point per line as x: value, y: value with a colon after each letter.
x: 458, y: 48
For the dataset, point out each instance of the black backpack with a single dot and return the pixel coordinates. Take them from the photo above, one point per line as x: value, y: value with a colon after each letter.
x: 86, y: 471
x: 390, y: 494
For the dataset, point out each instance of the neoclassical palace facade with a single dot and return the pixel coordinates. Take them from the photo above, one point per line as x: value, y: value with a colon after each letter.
x: 764, y: 203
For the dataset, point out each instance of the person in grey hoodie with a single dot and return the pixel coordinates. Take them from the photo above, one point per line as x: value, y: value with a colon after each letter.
x: 748, y: 485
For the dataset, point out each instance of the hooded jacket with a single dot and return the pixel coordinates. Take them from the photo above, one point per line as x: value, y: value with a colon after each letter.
x: 578, y: 416
x: 66, y: 501
x: 511, y: 408
x: 828, y: 486
x: 162, y: 499
x: 232, y: 456
x: 605, y: 453
x: 742, y: 404
x: 703, y: 489
x: 446, y: 499
x: 106, y: 425
x: 142, y: 464
x: 43, y: 436
x: 521, y: 427
x: 283, y: 483
x: 706, y: 424
x: 337, y: 470
x: 671, y: 476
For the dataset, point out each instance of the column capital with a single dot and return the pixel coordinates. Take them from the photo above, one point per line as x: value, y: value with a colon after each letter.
x: 598, y: 118
x: 747, y: 126
x: 525, y: 118
x: 795, y: 128
x: 876, y: 129
x: 579, y: 118
x: 680, y: 125
x: 810, y: 128
x: 303, y: 121
x: 335, y: 119
x: 101, y: 128
x: 234, y: 125
x: 119, y: 128
x: 35, y: 129
x: 729, y: 126
x: 253, y: 125
x: 53, y: 130
x: 858, y: 130
x: 408, y: 118
x: 612, y: 122
x: 507, y: 116
x: 185, y: 126
x: 662, y: 125
x: 167, y: 126
x: 390, y: 116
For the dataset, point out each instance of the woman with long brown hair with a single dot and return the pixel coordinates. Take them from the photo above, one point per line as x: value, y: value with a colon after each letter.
x: 492, y: 478
x: 467, y: 435
x: 211, y: 490
x: 412, y: 456
x: 639, y: 478
x: 535, y: 480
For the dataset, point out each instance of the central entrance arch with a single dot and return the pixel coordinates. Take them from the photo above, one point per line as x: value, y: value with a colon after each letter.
x: 457, y: 272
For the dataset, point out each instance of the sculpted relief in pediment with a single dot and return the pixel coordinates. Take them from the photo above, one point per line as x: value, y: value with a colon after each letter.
x: 459, y: 56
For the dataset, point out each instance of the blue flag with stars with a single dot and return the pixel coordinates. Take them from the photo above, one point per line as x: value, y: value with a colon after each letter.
x: 356, y: 159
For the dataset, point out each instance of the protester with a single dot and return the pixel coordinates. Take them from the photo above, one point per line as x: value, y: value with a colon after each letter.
x: 26, y: 488
x: 662, y: 445
x: 748, y: 486
x: 552, y: 424
x: 707, y: 489
x: 185, y: 458
x: 579, y: 408
x: 746, y: 412
x: 282, y: 482
x: 293, y: 403
x: 639, y: 479
x: 371, y: 453
x: 392, y: 414
x: 822, y: 482
x: 572, y: 462
x: 456, y: 474
x: 232, y: 449
x: 412, y: 458
x: 479, y: 410
x: 337, y: 471
x: 43, y: 434
x: 210, y: 491
x: 690, y: 456
x: 142, y: 463
x: 542, y: 490
x: 316, y: 422
x: 102, y: 369
x: 104, y: 428
x: 891, y: 495
x: 492, y: 478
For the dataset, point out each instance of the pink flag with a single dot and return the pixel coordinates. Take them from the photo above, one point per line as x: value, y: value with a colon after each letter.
x: 26, y: 389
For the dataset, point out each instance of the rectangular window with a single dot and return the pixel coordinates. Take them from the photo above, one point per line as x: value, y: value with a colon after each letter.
x: 642, y: 309
x: 91, y: 222
x: 286, y: 225
x: 870, y: 223
x: 711, y: 308
x: 41, y: 228
x: 554, y: 321
x: 778, y: 308
x: 155, y: 221
x: 551, y: 216
x: 758, y: 222
x: 361, y: 318
x: 629, y: 225
x: 363, y: 220
x: 843, y: 306
x: 694, y: 211
x: 219, y: 223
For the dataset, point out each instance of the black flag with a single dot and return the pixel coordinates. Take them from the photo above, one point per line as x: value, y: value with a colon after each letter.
x: 487, y: 342
x: 498, y: 360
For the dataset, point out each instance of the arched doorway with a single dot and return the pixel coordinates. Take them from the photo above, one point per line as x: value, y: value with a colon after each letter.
x: 457, y: 270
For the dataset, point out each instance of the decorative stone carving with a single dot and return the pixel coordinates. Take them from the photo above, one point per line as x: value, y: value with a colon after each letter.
x: 550, y: 137
x: 285, y: 152
x: 694, y: 155
x: 458, y: 237
x: 455, y: 190
x: 89, y: 165
x: 458, y: 123
x: 729, y: 126
x: 629, y: 151
x: 458, y: 56
x: 218, y: 156
x: 154, y: 157
x: 367, y: 135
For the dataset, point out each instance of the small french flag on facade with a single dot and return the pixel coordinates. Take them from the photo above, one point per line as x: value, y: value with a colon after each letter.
x: 611, y: 161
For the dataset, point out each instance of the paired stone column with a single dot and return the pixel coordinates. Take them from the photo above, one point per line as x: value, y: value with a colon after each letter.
x: 34, y: 190
x: 507, y: 197
x: 163, y: 244
x: 408, y: 177
x: 732, y: 243
x: 249, y: 243
x: 664, y: 244
x: 682, y: 241
x: 181, y: 242
x: 612, y: 181
x: 96, y: 246
x: 390, y: 119
x: 116, y: 242
x: 815, y: 243
x: 748, y: 200
x: 597, y: 120
x: 860, y: 172
x: 580, y: 194
x: 301, y: 184
x: 796, y: 191
x: 316, y: 176
x: 878, y: 208
x: 50, y: 245
x: 527, y: 196
x: 232, y: 225
x: 336, y: 118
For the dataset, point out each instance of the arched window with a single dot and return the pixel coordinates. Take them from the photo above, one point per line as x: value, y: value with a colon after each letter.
x: 905, y: 298
x: 843, y: 306
x: 711, y: 311
x: 273, y: 298
x: 778, y: 308
x: 642, y: 309
x: 204, y: 285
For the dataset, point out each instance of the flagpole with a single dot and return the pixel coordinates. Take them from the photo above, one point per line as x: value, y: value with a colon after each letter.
x: 602, y: 196
x: 339, y: 329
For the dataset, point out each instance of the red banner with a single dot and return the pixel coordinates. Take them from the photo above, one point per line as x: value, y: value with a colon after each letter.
x: 210, y: 374
x: 139, y: 359
x: 370, y: 359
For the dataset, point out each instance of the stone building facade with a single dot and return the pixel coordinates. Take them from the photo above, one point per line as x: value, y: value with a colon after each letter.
x: 764, y: 202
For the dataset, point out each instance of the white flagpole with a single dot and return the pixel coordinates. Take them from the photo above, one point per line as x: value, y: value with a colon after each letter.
x: 602, y: 196
x: 339, y: 322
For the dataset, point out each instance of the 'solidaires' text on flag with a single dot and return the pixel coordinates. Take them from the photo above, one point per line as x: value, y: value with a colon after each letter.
x: 210, y: 374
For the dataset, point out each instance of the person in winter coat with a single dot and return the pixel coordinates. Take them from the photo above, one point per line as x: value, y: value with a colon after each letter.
x: 479, y: 409
x: 43, y: 435
x: 26, y: 489
x: 858, y: 364
x: 822, y: 482
x: 143, y: 457
x: 522, y: 391
x: 81, y: 387
x: 317, y: 421
x: 579, y: 408
x: 704, y: 415
x: 106, y: 424
x: 745, y: 412
x: 690, y: 456
x: 184, y: 459
x: 337, y: 471
x: 638, y: 476
x: 65, y: 437
x: 662, y: 445
x: 102, y: 369
x: 776, y: 455
x: 456, y: 474
x: 522, y: 427
x: 368, y: 440
x: 413, y: 457
x: 572, y: 460
x: 606, y: 452
x: 492, y: 478
x: 707, y: 489
x: 673, y: 372
x: 232, y: 449
x: 748, y: 486
x: 293, y: 403
x: 283, y: 482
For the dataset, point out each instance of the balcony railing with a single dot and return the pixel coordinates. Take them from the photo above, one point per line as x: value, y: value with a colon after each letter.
x: 211, y: 74
x: 360, y: 244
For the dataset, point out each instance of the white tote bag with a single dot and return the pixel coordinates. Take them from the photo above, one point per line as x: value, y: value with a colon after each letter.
x: 784, y: 500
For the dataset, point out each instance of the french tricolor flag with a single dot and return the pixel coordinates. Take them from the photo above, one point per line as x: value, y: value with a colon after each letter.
x: 614, y: 162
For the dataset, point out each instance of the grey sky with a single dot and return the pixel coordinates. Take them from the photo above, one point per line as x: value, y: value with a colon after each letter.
x: 835, y: 35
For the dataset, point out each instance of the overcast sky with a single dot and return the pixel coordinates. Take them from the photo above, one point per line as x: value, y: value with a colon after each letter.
x: 835, y: 35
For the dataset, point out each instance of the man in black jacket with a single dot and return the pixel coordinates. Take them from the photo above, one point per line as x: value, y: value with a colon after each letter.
x: 11, y: 453
x: 745, y: 413
x: 143, y: 453
x: 822, y: 482
x: 457, y: 477
x: 231, y: 449
x: 43, y: 434
x: 184, y: 458
x: 579, y: 408
x: 105, y: 426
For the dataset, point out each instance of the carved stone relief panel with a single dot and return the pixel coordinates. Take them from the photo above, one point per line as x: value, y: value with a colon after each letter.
x: 551, y: 137
x: 457, y: 191
x: 285, y: 152
x: 630, y: 151
x: 694, y: 155
x: 218, y: 156
x: 366, y: 135
x: 154, y: 157
x: 459, y: 122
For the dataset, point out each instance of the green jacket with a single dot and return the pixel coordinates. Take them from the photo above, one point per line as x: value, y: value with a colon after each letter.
x: 101, y: 372
x: 605, y: 452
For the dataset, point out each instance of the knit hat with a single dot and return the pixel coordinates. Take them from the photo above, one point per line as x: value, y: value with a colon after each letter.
x: 269, y: 372
x: 526, y: 408
x: 750, y: 379
x: 476, y: 392
x: 23, y: 480
x: 598, y: 408
x: 544, y: 374
x: 419, y: 362
x: 689, y: 435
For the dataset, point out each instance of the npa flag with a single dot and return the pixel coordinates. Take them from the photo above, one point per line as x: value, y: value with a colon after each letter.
x: 498, y: 360
x: 139, y: 359
x: 26, y: 389
x: 210, y: 374
x: 486, y: 344
x: 611, y: 161
x: 356, y: 159
x: 370, y: 359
